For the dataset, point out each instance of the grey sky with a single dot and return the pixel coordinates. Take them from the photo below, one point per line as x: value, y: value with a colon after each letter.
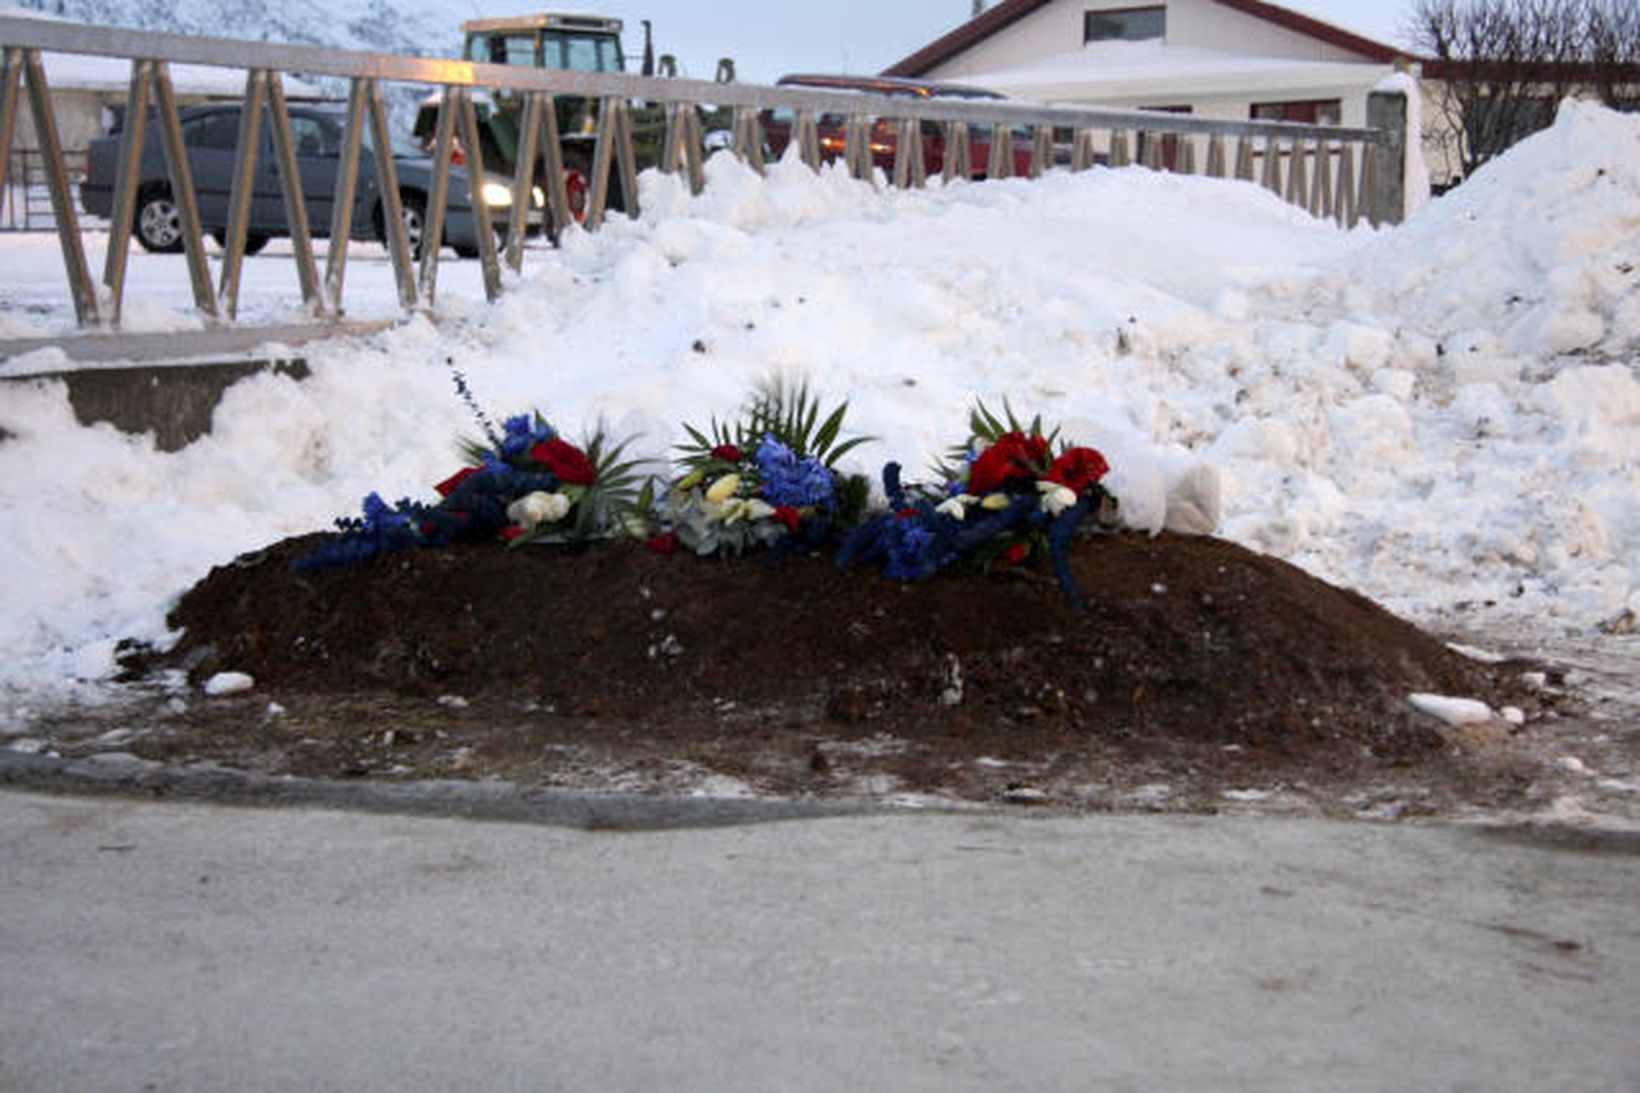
x: 766, y: 39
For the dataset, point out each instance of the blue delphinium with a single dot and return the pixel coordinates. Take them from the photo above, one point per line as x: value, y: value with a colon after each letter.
x: 522, y: 432
x: 788, y: 480
x: 381, y: 529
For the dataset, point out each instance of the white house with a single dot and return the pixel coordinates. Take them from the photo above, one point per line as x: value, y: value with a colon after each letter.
x: 1236, y: 59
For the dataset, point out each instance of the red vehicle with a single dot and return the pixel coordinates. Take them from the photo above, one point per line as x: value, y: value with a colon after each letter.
x: 777, y: 123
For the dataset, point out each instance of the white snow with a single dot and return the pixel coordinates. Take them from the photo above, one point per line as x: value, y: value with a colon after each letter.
x: 1453, y: 711
x: 223, y: 684
x: 1444, y: 416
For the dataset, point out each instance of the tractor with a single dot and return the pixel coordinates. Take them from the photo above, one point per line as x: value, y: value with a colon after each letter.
x: 580, y: 43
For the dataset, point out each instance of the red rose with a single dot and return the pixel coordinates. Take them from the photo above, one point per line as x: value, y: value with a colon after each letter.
x: 1077, y: 469
x: 448, y: 486
x: 663, y: 544
x: 726, y: 452
x: 788, y: 516
x: 511, y: 532
x: 1012, y: 455
x: 1015, y: 553
x: 568, y: 462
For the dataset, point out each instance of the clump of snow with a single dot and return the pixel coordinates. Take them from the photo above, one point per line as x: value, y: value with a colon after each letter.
x: 1443, y: 415
x: 222, y: 684
x: 1453, y: 711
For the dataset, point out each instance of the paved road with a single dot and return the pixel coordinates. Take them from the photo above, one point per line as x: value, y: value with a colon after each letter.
x: 193, y: 946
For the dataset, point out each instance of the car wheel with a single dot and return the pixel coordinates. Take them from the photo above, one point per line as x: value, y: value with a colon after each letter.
x: 254, y: 241
x: 413, y: 211
x: 158, y: 224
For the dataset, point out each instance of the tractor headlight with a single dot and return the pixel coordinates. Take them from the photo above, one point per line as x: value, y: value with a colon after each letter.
x: 496, y: 195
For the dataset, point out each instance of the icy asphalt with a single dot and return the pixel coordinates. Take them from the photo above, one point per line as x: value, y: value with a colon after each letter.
x: 188, y: 945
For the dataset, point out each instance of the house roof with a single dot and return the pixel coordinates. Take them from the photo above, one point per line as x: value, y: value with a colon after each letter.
x: 1008, y: 12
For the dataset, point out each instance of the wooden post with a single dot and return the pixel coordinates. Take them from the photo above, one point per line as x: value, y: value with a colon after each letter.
x: 1215, y: 156
x: 1321, y: 189
x: 1082, y: 150
x: 1119, y: 154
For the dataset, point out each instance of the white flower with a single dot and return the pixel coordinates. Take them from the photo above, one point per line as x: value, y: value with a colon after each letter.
x: 994, y: 502
x: 956, y: 507
x: 750, y: 510
x: 535, y: 509
x: 1056, y: 498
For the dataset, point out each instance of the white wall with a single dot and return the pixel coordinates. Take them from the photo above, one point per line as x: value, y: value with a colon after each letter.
x: 1208, y: 25
x: 1057, y: 28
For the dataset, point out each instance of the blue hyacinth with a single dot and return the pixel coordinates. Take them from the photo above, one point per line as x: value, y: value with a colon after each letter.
x: 788, y: 480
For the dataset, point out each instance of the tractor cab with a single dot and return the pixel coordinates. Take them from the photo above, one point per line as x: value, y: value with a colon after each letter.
x: 578, y: 43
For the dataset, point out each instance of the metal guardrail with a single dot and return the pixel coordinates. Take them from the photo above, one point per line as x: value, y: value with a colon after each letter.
x: 1342, y: 172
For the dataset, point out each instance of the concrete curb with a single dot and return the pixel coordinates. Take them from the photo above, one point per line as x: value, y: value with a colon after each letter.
x: 124, y: 775
x: 121, y: 774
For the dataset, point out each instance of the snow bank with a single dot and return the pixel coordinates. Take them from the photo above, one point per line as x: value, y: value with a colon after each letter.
x: 1444, y: 416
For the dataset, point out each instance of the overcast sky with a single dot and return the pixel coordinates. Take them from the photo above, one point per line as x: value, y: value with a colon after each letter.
x: 766, y: 39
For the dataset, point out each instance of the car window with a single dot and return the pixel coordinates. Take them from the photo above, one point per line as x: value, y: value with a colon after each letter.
x: 219, y: 129
x: 315, y: 137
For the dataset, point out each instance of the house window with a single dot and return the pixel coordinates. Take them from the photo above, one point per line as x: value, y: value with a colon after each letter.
x: 1310, y: 111
x: 1124, y: 24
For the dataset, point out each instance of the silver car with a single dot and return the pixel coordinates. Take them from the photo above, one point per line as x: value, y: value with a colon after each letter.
x: 211, y: 134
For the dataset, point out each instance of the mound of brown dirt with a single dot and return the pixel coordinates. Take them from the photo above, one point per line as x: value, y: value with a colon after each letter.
x: 1195, y: 660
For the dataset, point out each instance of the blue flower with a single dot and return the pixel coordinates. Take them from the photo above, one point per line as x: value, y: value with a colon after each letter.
x: 521, y: 432
x: 788, y: 480
x: 907, y: 543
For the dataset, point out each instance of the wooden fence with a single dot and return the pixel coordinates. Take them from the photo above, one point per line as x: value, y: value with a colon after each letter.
x: 1344, y: 173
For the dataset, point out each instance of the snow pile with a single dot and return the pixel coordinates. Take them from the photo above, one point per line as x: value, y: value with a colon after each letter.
x: 1405, y: 412
x: 1538, y: 254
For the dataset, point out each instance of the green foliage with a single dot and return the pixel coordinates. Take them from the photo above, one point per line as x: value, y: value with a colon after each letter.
x: 791, y: 414
x: 620, y: 498
x: 615, y: 494
x: 985, y: 426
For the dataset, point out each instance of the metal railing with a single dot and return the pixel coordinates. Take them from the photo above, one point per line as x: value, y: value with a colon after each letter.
x: 1340, y: 172
x: 25, y: 201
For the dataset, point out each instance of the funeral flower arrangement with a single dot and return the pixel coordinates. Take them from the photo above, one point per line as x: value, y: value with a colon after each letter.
x: 764, y: 481
x: 526, y: 484
x: 768, y: 479
x: 1007, y: 493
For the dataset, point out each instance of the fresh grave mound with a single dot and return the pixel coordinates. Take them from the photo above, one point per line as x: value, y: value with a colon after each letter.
x: 1183, y: 639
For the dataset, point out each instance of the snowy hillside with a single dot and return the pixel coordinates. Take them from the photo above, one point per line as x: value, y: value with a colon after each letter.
x: 1445, y: 416
x: 376, y: 25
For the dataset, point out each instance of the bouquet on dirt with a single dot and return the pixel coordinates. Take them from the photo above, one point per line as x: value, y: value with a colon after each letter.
x: 765, y: 480
x: 1007, y: 493
x: 527, y: 484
